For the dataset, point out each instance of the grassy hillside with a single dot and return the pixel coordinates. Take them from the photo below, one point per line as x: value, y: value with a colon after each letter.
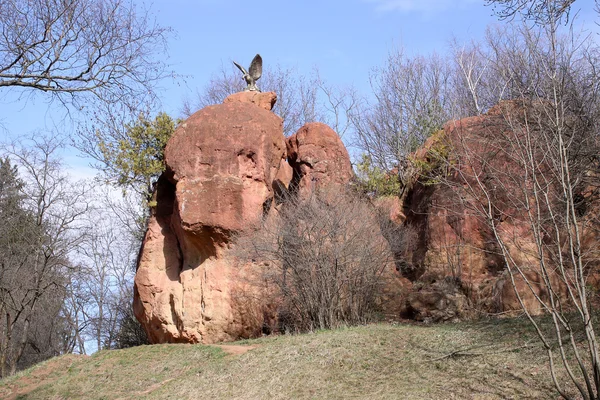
x: 485, y: 360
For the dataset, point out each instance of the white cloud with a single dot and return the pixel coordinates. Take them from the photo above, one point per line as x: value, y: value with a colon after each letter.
x: 407, y: 6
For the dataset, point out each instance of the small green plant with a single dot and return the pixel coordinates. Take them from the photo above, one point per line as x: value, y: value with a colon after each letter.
x: 373, y: 179
x: 432, y: 166
x: 137, y: 160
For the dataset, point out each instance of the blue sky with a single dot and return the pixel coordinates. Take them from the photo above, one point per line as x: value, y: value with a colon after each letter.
x: 343, y: 39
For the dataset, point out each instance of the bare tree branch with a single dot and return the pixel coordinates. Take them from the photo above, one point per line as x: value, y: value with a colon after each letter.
x: 67, y: 48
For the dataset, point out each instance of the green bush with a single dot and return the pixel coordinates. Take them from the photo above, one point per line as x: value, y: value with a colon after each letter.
x: 373, y: 179
x: 433, y: 166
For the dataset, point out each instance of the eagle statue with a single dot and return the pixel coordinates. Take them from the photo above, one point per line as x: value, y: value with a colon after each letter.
x: 253, y: 74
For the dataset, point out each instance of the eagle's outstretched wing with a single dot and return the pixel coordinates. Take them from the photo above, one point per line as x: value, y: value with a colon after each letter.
x: 256, y: 67
x: 242, y: 68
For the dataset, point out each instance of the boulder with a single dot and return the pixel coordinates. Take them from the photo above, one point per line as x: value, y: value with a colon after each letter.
x: 439, y: 301
x: 221, y: 166
x: 318, y: 158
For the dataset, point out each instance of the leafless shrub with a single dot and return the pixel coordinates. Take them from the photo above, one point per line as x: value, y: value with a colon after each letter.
x: 328, y: 258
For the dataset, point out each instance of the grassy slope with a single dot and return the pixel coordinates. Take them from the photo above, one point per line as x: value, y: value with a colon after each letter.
x: 485, y: 360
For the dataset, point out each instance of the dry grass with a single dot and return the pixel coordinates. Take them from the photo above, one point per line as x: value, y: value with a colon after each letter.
x: 486, y: 360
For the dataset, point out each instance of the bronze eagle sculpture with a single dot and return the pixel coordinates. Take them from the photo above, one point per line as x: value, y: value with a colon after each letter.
x: 253, y: 74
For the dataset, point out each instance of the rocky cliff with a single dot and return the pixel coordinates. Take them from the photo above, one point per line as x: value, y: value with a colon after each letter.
x: 222, y: 163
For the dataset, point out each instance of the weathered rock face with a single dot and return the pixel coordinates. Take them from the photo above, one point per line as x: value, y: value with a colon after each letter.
x: 228, y: 165
x: 223, y: 160
x: 221, y: 167
x: 455, y: 242
x: 318, y: 158
x: 227, y: 169
x: 263, y: 100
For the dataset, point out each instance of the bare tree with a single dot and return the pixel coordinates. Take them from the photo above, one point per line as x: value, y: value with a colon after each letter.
x: 533, y: 181
x: 470, y: 80
x: 498, y: 68
x: 34, y: 260
x: 104, y: 274
x: 73, y: 314
x: 412, y: 102
x: 539, y: 11
x: 81, y: 49
x: 100, y: 286
x: 338, y: 105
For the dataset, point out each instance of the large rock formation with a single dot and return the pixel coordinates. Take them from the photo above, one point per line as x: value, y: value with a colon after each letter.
x: 221, y: 165
x: 226, y: 171
x: 229, y: 166
x: 457, y: 266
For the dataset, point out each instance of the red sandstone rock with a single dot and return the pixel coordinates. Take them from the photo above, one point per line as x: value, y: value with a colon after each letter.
x: 263, y: 100
x: 454, y: 240
x: 318, y: 157
x: 226, y: 165
x: 285, y: 174
x: 224, y: 159
x: 392, y: 207
x: 221, y: 167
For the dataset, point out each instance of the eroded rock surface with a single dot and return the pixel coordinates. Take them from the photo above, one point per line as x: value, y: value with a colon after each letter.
x: 455, y: 242
x: 229, y: 166
x: 221, y: 166
x: 318, y: 158
x: 264, y: 100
